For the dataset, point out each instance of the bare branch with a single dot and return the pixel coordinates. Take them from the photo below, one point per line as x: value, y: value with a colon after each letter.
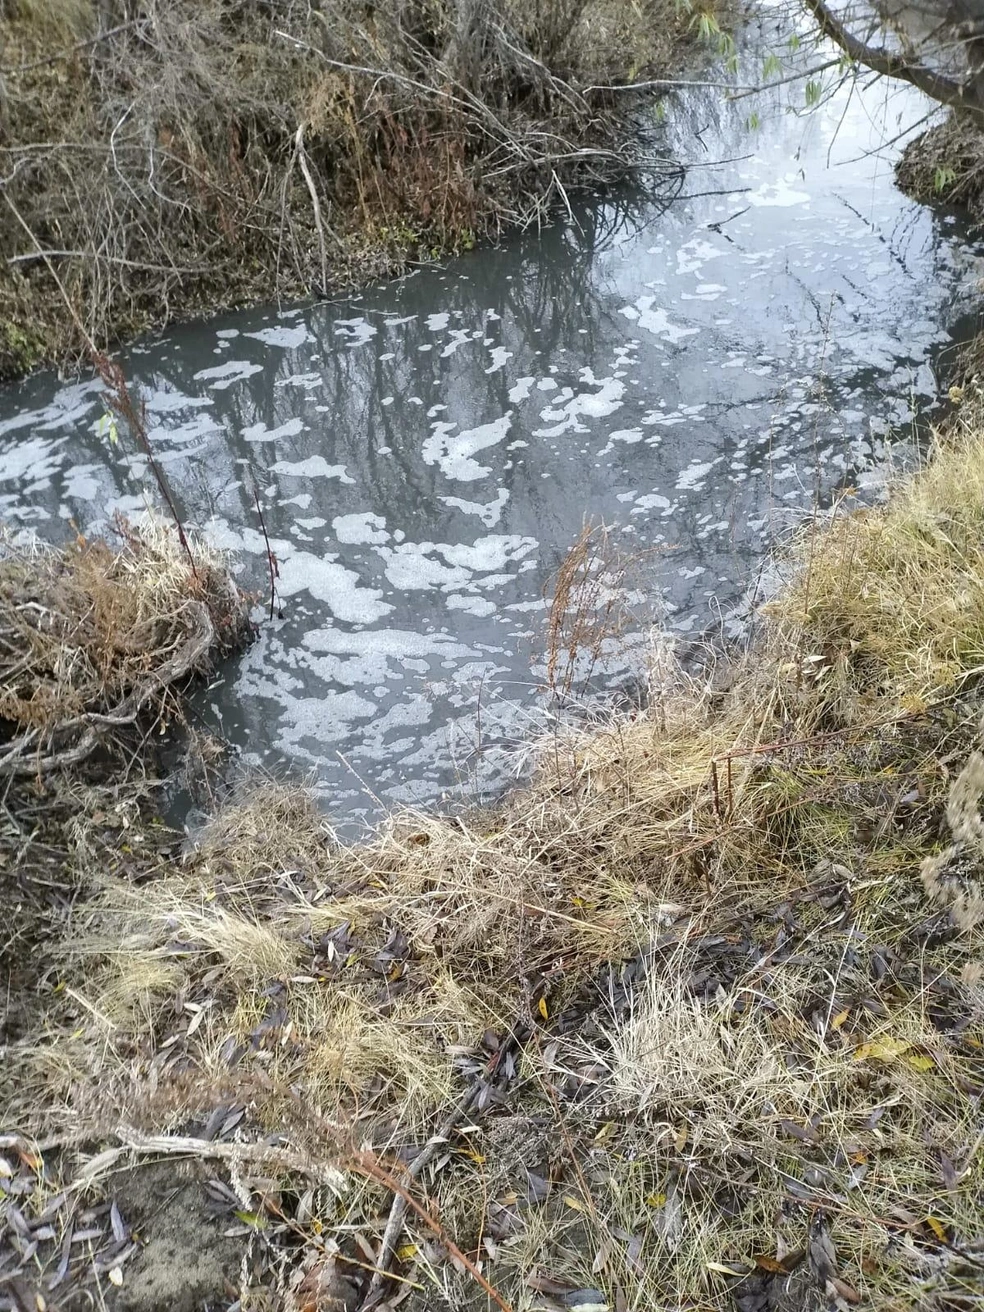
x: 957, y: 95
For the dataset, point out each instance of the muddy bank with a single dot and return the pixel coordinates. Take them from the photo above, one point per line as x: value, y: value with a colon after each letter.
x: 696, y: 1014
x: 174, y: 160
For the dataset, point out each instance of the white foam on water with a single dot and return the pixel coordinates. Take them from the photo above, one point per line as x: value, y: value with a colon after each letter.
x: 288, y: 339
x: 590, y: 405
x: 480, y: 607
x: 163, y: 401
x: 328, y: 581
x: 82, y: 482
x: 356, y: 331
x: 654, y: 319
x: 693, y: 476
x: 459, y: 337
x: 489, y: 513
x: 627, y: 435
x: 489, y: 553
x: 31, y: 459
x: 312, y: 467
x: 410, y: 566
x: 694, y: 254
x: 651, y: 501
x: 499, y: 357
x: 453, y: 453
x: 221, y: 376
x: 260, y: 433
x: 360, y: 529
x: 779, y: 195
x: 306, y: 381
x: 192, y: 430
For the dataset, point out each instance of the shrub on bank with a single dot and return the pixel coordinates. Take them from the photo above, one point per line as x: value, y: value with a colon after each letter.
x: 175, y: 158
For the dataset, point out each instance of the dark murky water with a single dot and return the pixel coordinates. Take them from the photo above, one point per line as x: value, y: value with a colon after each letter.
x: 428, y: 451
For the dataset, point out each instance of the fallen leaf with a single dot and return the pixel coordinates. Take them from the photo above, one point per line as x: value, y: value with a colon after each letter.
x: 919, y: 1061
x: 724, y: 1270
x: 544, y: 1284
x: 840, y: 1018
x: 253, y: 1219
x: 406, y: 1251
x: 768, y: 1264
x: 116, y: 1276
x: 884, y: 1049
x: 541, y: 1007
x: 841, y: 1290
x: 938, y: 1228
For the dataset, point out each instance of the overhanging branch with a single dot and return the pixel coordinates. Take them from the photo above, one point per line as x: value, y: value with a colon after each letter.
x: 947, y: 91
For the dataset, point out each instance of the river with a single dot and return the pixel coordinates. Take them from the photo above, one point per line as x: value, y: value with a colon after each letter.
x: 696, y: 375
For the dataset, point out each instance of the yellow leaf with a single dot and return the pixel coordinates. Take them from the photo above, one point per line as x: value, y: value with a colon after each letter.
x: 938, y: 1228
x: 656, y: 1200
x: 680, y: 1141
x: 406, y: 1251
x: 724, y: 1270
x: 840, y: 1018
x: 574, y: 1203
x: 883, y: 1049
x: 919, y: 1062
x: 605, y: 1133
x: 541, y: 1007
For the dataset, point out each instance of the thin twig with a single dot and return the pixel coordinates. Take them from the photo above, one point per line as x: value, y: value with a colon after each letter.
x: 401, y: 1201
x: 271, y: 558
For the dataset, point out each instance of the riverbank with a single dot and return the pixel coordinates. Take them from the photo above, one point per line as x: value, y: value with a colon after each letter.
x: 199, y: 158
x: 695, y: 1017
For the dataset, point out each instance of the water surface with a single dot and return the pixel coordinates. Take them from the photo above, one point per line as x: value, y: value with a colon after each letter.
x: 425, y: 453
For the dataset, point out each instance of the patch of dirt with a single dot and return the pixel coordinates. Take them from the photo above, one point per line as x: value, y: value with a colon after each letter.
x: 185, y: 1263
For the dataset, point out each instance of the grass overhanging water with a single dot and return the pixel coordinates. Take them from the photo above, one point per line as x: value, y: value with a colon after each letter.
x: 693, y: 1020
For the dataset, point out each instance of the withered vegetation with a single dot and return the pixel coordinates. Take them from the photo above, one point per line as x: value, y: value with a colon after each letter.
x: 696, y: 1018
x: 96, y: 637
x: 174, y: 157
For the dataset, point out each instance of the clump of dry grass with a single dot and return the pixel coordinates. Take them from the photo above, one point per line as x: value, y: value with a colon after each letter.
x: 93, y: 638
x: 680, y: 1014
x: 945, y: 165
x: 894, y: 596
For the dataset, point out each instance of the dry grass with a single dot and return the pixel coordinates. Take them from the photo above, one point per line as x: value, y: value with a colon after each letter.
x: 945, y: 165
x: 713, y: 979
x: 93, y: 639
x: 893, y: 601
